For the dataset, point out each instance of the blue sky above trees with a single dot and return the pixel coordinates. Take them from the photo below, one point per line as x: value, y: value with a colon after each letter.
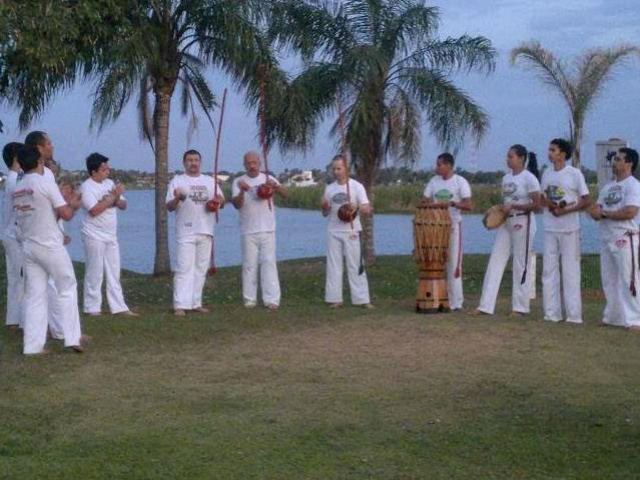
x: 522, y: 110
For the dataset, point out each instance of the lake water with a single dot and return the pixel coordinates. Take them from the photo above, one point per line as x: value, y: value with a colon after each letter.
x: 301, y: 233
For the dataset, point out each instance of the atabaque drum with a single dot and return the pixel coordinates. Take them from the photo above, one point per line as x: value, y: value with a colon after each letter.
x: 431, y: 235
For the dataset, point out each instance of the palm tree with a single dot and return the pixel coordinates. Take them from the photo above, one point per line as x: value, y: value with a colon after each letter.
x: 384, y: 59
x: 153, y: 48
x: 579, y: 82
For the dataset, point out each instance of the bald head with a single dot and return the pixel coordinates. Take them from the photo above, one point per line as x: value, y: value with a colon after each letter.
x: 252, y: 163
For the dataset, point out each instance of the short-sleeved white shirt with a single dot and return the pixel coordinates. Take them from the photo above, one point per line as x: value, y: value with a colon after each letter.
x: 8, y: 212
x: 452, y: 190
x: 566, y: 185
x: 35, y: 200
x: 517, y: 189
x: 191, y: 216
x: 255, y: 214
x: 102, y: 227
x: 614, y: 196
x: 336, y: 195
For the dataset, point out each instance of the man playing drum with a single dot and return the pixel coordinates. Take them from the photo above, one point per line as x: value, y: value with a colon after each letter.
x: 449, y: 189
x: 258, y: 227
x: 616, y: 211
x: 343, y: 237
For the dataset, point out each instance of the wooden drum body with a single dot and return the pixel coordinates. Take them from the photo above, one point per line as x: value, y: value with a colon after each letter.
x: 431, y: 234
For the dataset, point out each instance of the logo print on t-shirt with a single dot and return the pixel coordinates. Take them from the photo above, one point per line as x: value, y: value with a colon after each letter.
x: 613, y: 196
x: 509, y: 190
x: 339, y: 198
x: 443, y: 195
x: 198, y: 194
x: 555, y: 193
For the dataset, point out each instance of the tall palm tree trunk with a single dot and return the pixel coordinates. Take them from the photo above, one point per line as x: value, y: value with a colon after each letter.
x: 577, y: 141
x: 162, y: 110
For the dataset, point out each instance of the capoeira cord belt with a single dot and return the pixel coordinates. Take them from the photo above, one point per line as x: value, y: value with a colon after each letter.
x: 458, y: 271
x: 526, y: 253
x: 633, y: 263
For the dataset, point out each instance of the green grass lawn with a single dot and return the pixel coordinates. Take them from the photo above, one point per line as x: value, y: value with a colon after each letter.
x: 309, y: 393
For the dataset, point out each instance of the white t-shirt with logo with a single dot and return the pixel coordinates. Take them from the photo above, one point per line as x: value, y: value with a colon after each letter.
x: 35, y: 200
x: 102, y: 227
x: 336, y: 195
x: 517, y: 189
x: 566, y: 185
x: 614, y: 196
x: 452, y: 190
x: 191, y: 216
x: 8, y: 212
x: 255, y: 215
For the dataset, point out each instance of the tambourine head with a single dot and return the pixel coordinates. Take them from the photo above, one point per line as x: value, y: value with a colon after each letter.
x: 347, y: 213
x: 265, y: 192
x: 212, y: 206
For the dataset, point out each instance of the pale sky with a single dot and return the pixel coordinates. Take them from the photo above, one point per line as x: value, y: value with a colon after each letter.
x: 521, y: 108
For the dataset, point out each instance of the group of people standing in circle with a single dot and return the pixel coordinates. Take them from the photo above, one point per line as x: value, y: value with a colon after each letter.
x: 42, y: 289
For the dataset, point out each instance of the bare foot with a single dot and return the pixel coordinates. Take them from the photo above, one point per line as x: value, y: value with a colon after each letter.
x: 335, y: 305
x: 478, y: 313
x: 128, y: 313
x: 368, y: 306
x: 272, y: 306
x: 201, y: 310
x: 74, y: 349
x: 178, y: 312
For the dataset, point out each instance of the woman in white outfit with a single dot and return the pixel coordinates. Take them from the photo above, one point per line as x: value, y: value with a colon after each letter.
x: 343, y: 238
x: 521, y: 198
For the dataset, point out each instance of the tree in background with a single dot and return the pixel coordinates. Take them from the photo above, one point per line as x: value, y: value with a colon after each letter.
x: 142, y: 49
x: 384, y: 58
x: 579, y: 82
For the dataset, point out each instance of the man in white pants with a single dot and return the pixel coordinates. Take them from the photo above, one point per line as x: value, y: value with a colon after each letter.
x: 258, y: 228
x: 565, y: 195
x: 12, y: 249
x: 343, y: 238
x: 38, y: 204
x: 616, y: 211
x: 43, y: 143
x: 191, y: 196
x: 101, y: 198
x: 452, y: 190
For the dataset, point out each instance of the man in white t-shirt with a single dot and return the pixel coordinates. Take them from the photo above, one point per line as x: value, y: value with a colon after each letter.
x: 43, y: 143
x: 616, y: 211
x: 101, y: 199
x: 343, y: 238
x: 565, y: 195
x: 39, y: 204
x: 191, y: 195
x: 454, y: 191
x: 258, y: 228
x: 12, y: 249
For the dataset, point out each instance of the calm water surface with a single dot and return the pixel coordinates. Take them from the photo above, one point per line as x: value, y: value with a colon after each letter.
x: 301, y: 233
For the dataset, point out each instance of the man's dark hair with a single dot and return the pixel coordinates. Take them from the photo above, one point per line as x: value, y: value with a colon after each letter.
x: 190, y: 152
x: 35, y: 138
x: 447, y: 158
x: 630, y: 156
x: 94, y: 161
x: 564, y: 146
x: 28, y: 157
x: 10, y: 153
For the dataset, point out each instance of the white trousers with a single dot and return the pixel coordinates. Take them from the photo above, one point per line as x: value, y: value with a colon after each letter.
x: 40, y: 264
x: 347, y: 245
x: 102, y: 257
x: 55, y: 313
x: 454, y: 284
x: 511, y: 238
x: 15, y: 281
x: 192, y: 263
x: 259, y: 255
x: 561, y: 247
x: 622, y: 308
